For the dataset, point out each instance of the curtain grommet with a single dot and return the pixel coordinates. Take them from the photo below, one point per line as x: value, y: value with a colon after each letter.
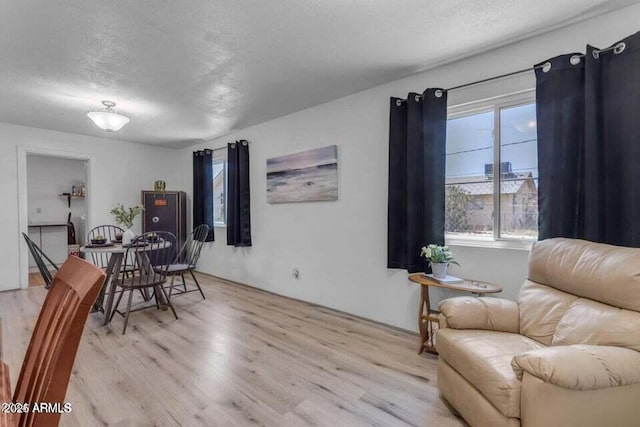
x: 546, y: 67
x: 438, y: 93
x: 398, y: 103
x: 596, y: 54
x: 418, y: 97
x: 620, y: 47
x: 575, y: 60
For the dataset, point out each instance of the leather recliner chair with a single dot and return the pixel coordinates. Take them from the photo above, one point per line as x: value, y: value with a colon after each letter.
x: 566, y: 354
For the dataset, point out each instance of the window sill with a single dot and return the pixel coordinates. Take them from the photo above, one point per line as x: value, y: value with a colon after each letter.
x: 483, y: 242
x: 219, y: 225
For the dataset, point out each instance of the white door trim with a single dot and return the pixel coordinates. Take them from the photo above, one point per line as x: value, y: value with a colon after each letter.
x: 23, y: 211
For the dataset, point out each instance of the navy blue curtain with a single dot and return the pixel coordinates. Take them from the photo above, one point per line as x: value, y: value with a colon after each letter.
x: 560, y: 115
x: 417, y: 139
x: 588, y: 151
x: 203, y: 190
x: 239, y: 195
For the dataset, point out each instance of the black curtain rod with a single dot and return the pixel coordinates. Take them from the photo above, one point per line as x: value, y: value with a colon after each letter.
x: 242, y: 141
x: 438, y: 92
x: 617, y: 48
x: 501, y: 76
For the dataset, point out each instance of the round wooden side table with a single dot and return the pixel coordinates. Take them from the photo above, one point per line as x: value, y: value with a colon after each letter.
x: 427, y: 317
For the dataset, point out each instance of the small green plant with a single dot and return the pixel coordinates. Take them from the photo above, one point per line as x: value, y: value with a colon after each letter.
x: 438, y: 254
x: 125, y: 216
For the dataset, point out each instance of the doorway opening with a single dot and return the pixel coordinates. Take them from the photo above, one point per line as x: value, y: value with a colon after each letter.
x: 56, y: 209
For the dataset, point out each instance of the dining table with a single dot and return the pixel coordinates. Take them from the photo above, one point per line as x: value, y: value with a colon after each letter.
x: 117, y: 253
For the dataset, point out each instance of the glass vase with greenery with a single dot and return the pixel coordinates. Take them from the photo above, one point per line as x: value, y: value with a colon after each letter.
x: 125, y: 216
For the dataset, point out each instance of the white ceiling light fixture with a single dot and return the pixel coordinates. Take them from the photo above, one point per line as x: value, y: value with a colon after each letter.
x: 107, y: 118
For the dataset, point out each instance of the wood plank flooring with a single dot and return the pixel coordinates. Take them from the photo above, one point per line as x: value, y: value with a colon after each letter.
x: 241, y: 357
x: 36, y: 279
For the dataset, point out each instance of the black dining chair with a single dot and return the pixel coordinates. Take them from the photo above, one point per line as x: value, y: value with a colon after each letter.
x: 110, y: 233
x: 40, y: 258
x: 187, y: 261
x: 148, y: 257
x: 101, y: 259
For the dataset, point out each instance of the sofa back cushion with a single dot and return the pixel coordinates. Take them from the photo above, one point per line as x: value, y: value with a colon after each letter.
x: 581, y: 292
x: 541, y: 308
x: 594, y: 323
x: 603, y: 273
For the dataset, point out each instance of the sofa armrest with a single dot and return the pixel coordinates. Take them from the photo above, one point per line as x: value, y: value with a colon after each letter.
x: 494, y: 314
x: 581, y: 367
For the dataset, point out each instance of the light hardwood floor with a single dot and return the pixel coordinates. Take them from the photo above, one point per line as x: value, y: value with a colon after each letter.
x: 36, y: 279
x: 241, y: 357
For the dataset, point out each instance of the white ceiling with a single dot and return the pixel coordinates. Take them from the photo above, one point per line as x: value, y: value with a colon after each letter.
x: 194, y: 69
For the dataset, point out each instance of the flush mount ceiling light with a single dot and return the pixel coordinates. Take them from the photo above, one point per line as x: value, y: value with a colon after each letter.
x: 107, y: 118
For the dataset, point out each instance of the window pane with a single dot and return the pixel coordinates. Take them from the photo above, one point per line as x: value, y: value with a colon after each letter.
x: 519, y: 172
x: 469, y: 176
x: 219, y: 191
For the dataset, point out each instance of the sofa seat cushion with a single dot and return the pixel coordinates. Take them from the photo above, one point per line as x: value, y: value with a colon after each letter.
x: 484, y: 359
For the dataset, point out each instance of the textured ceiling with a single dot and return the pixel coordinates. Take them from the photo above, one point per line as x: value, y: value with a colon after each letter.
x: 195, y: 69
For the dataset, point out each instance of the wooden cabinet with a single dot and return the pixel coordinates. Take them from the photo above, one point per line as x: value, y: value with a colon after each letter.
x: 165, y: 211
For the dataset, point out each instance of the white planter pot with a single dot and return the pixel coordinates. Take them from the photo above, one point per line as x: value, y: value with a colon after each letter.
x: 128, y: 236
x: 439, y: 269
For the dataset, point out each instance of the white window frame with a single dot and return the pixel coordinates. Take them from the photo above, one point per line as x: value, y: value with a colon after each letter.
x: 220, y: 156
x: 495, y: 104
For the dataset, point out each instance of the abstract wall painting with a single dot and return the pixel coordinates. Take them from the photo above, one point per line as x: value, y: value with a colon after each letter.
x: 303, y: 177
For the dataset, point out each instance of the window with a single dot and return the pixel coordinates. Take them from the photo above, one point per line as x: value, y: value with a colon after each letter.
x: 500, y: 132
x: 220, y: 187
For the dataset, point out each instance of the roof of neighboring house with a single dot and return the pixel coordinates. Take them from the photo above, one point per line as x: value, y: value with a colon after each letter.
x: 479, y: 185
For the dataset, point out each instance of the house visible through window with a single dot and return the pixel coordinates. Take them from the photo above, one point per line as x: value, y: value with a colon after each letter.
x: 501, y: 132
x: 220, y: 187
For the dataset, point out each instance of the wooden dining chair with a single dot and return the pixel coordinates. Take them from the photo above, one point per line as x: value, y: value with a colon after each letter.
x: 151, y: 255
x: 39, y: 257
x: 48, y: 362
x: 187, y: 260
x: 7, y: 419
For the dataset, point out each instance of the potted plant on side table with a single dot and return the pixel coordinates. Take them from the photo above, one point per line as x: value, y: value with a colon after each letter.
x: 439, y: 258
x: 125, y: 216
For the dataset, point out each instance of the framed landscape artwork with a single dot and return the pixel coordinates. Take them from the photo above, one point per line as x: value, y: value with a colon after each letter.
x: 303, y: 177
